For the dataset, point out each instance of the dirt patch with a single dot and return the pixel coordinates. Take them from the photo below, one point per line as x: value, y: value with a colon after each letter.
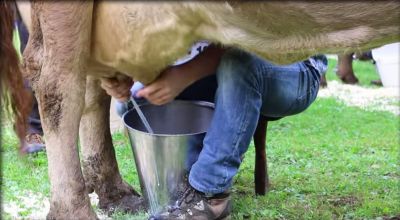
x: 370, y: 99
x: 27, y: 205
x: 344, y: 201
x: 32, y: 205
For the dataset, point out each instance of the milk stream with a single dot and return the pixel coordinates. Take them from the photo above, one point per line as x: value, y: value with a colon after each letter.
x: 142, y: 117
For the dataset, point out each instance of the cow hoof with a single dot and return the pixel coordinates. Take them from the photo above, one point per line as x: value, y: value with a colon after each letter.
x: 82, y: 213
x: 377, y: 82
x: 131, y: 204
x: 323, y: 83
x: 349, y: 79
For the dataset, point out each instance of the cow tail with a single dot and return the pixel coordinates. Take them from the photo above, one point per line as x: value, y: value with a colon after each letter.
x: 14, y: 98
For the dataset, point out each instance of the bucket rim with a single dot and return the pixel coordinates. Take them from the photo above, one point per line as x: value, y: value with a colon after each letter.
x: 200, y: 103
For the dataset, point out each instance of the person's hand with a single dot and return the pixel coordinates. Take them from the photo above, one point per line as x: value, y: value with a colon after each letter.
x: 166, y: 87
x: 118, y: 87
x: 175, y: 79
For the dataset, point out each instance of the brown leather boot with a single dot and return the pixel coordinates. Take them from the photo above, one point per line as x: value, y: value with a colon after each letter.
x: 33, y: 143
x: 195, y: 205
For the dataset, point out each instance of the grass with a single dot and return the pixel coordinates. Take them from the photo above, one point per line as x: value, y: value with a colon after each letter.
x: 330, y: 162
x: 324, y: 166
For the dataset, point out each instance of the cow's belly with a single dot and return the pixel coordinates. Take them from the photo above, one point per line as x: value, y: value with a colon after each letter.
x: 143, y: 38
x: 140, y: 39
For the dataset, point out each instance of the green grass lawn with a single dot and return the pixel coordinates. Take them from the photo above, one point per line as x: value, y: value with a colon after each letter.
x: 330, y: 162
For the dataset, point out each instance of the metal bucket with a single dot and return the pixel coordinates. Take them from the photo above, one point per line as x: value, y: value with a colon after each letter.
x: 164, y: 158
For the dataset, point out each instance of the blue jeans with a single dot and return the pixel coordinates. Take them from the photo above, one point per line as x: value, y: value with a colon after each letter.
x: 247, y: 87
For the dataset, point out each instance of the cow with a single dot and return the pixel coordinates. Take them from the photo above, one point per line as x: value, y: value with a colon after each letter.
x: 13, y: 95
x: 73, y: 44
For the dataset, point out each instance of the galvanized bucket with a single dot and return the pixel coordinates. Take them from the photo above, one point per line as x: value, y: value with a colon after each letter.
x: 164, y: 158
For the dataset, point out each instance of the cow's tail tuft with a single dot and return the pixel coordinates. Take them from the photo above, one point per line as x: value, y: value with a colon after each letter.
x: 15, y: 100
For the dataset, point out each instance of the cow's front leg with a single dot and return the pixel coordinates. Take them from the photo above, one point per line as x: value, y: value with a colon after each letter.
x: 345, y: 69
x: 100, y: 167
x: 59, y: 50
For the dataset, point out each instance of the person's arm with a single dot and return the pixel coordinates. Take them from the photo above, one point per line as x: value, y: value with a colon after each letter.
x: 175, y: 79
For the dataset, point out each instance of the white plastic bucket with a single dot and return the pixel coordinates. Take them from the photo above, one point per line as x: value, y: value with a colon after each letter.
x: 388, y: 64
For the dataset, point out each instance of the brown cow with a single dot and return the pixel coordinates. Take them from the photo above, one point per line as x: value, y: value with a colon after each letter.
x: 12, y: 91
x: 74, y: 43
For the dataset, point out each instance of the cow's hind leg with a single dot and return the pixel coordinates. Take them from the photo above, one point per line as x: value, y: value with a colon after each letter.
x: 100, y: 167
x: 345, y: 69
x: 56, y: 58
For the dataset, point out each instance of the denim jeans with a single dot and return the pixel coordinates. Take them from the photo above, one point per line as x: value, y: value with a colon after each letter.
x: 247, y: 87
